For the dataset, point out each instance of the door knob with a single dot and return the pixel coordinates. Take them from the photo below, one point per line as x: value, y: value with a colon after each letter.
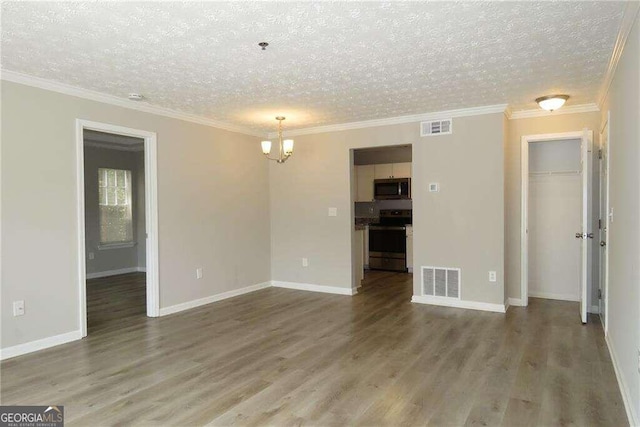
x: 590, y: 235
x: 578, y: 235
x: 603, y: 243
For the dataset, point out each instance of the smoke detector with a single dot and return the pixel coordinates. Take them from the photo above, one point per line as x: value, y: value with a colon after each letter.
x: 135, y: 96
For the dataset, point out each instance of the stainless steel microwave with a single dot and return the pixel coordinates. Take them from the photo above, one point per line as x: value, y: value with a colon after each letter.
x: 392, y: 189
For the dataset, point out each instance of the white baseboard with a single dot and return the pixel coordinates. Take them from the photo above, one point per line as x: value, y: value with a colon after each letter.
x: 314, y: 288
x: 115, y: 272
x: 516, y: 302
x: 548, y: 295
x: 451, y: 302
x: 213, y: 298
x: 634, y: 419
x: 30, y: 347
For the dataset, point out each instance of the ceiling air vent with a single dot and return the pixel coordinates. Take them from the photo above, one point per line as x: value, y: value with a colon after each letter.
x: 436, y: 127
x: 441, y: 282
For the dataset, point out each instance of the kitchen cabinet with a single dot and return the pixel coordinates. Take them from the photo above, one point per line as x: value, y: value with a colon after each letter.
x: 359, y: 262
x: 401, y: 170
x: 365, y: 249
x: 410, y: 248
x: 365, y: 175
x: 393, y: 170
x: 383, y: 171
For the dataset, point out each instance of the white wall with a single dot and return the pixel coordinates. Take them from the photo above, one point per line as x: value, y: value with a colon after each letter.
x: 624, y: 232
x: 213, y: 199
x: 467, y: 164
x: 113, y: 258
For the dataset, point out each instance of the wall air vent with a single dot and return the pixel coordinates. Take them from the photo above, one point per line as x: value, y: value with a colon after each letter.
x: 436, y: 127
x: 441, y: 282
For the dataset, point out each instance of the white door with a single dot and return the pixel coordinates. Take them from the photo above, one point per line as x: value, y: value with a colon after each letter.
x: 604, y: 221
x: 585, y: 234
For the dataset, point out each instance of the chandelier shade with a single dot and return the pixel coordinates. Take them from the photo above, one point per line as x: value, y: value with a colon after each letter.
x: 285, y: 147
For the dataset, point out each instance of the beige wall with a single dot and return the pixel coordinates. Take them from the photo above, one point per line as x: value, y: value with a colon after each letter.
x: 462, y: 225
x: 623, y: 315
x: 533, y: 126
x: 213, y: 198
x: 468, y: 166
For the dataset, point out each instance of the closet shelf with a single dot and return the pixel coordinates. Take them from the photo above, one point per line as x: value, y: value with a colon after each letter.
x: 554, y: 173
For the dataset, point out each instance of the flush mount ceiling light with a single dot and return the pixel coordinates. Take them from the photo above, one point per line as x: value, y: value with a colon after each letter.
x: 552, y: 102
x: 285, y: 148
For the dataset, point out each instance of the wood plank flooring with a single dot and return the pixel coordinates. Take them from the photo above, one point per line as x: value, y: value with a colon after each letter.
x: 287, y: 357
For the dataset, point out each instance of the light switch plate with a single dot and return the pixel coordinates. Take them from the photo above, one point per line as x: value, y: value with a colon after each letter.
x: 305, y: 262
x: 434, y: 187
x: 333, y: 211
x: 18, y: 308
x: 199, y: 273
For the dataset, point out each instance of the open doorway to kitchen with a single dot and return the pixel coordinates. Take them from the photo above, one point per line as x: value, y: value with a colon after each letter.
x: 382, y: 219
x: 117, y: 225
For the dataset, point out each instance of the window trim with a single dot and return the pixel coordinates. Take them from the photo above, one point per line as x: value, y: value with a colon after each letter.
x: 116, y: 245
x: 128, y: 187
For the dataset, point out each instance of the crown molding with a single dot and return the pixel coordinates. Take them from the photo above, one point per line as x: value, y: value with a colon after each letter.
x: 539, y: 112
x: 25, y: 79
x: 436, y: 115
x: 628, y: 19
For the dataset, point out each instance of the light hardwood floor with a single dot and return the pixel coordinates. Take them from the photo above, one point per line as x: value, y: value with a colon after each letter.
x: 287, y: 357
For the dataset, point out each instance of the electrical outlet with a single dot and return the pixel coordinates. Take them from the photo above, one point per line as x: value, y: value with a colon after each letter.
x: 492, y: 276
x: 305, y: 262
x: 333, y: 211
x: 92, y: 255
x: 199, y: 273
x: 18, y: 308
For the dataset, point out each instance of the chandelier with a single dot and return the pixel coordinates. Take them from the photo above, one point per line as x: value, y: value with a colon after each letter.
x: 285, y: 148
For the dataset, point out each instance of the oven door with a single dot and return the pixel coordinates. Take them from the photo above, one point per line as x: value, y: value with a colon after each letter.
x: 387, y: 248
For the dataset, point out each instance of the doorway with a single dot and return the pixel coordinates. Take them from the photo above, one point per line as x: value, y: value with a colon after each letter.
x: 381, y: 215
x: 117, y: 221
x: 556, y: 217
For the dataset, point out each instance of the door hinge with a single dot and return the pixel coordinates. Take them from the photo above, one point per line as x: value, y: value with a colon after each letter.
x: 600, y: 154
x: 599, y: 293
x: 599, y: 224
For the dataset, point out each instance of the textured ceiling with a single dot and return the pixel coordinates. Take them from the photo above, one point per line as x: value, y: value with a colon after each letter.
x: 327, y: 63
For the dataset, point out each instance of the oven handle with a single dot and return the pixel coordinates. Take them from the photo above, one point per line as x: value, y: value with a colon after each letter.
x: 384, y: 228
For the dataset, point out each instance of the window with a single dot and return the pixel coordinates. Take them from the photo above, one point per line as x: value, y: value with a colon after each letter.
x: 114, y: 192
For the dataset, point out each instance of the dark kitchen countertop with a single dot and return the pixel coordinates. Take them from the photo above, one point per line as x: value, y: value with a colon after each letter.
x: 362, y: 222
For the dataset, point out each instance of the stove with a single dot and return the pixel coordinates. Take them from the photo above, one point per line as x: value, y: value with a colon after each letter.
x: 388, y: 240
